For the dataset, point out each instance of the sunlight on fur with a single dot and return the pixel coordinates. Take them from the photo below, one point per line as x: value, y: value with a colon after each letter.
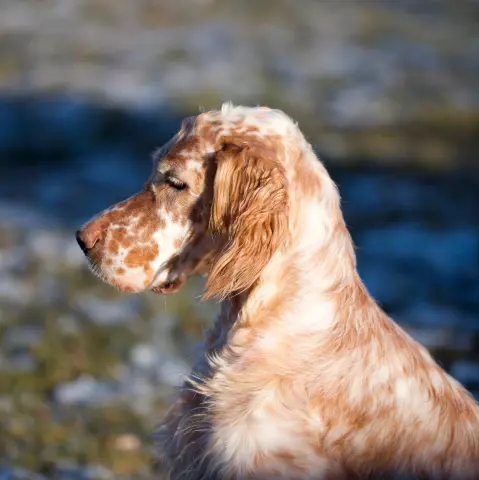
x: 303, y: 375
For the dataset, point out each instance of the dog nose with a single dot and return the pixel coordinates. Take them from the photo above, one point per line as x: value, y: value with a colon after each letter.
x: 81, y: 243
x: 87, y: 237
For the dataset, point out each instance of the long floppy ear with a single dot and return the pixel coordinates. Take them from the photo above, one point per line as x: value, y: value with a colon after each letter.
x: 249, y: 215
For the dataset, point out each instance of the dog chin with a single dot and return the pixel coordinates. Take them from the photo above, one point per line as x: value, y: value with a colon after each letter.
x: 125, y: 286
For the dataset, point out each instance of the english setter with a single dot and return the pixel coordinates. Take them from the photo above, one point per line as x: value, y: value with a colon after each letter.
x: 303, y: 375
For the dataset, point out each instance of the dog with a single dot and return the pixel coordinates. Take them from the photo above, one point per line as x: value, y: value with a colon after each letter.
x: 303, y: 375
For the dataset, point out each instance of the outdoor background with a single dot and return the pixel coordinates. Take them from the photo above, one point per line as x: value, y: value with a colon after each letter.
x: 387, y: 91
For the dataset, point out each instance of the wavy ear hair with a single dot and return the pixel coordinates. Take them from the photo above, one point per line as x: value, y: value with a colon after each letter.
x: 248, y: 215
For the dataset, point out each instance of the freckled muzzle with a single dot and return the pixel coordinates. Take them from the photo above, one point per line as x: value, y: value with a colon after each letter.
x: 121, y: 245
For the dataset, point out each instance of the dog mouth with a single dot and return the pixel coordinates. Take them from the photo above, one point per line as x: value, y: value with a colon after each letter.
x: 95, y: 259
x: 169, y: 287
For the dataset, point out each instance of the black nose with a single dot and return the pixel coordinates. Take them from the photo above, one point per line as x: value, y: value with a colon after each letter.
x: 80, y: 241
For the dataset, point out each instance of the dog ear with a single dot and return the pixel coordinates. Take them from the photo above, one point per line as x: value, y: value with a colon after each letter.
x: 248, y: 215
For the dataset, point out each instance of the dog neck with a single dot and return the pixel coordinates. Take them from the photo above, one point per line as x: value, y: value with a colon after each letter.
x: 305, y: 288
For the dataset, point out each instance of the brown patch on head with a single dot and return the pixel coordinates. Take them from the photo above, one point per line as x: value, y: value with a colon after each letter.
x: 119, y: 234
x: 209, y: 129
x: 122, y: 237
x: 144, y: 222
x: 197, y: 180
x: 113, y: 247
x: 180, y: 152
x: 141, y: 256
x: 120, y: 271
x: 198, y: 213
x: 128, y: 241
x: 149, y: 275
x: 146, y: 226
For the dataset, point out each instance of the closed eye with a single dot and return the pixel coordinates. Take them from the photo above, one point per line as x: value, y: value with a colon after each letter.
x: 175, y: 183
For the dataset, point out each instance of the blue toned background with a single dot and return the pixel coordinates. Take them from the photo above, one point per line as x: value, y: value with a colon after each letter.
x: 387, y: 91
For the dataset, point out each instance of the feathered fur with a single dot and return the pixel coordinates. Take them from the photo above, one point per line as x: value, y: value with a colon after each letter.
x: 303, y: 375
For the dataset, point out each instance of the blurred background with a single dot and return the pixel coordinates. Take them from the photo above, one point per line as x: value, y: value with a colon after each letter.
x: 387, y: 91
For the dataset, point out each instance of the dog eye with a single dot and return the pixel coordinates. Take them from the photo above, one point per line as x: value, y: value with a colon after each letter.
x: 175, y: 183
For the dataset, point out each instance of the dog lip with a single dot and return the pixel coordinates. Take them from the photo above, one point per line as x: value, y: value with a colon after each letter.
x: 170, y: 287
x: 95, y: 254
